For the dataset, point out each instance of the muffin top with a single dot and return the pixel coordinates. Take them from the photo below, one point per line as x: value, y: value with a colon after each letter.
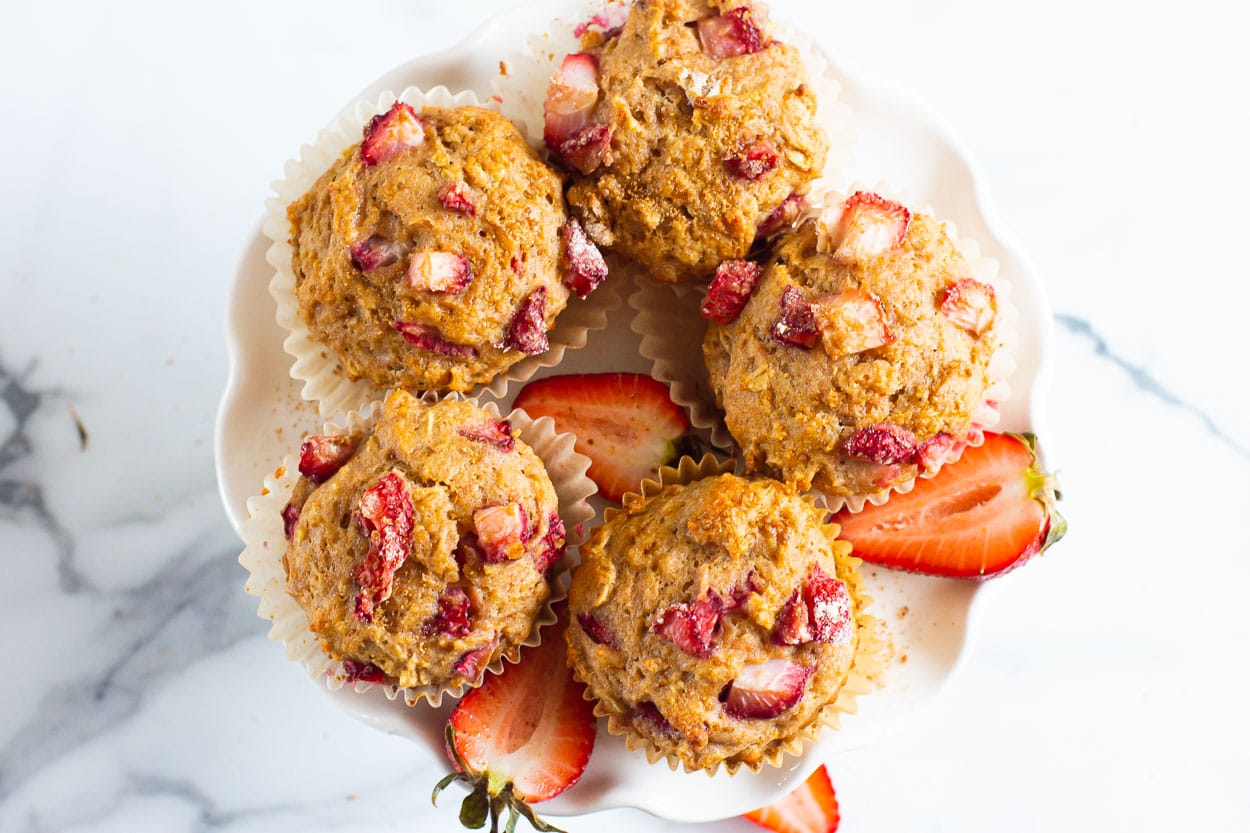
x: 685, y: 132
x: 860, y: 357
x: 431, y: 255
x: 713, y: 620
x: 420, y: 552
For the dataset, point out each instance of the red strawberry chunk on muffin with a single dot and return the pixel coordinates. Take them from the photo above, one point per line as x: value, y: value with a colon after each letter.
x: 851, y: 321
x: 528, y: 330
x: 441, y: 272
x: 597, y: 631
x: 754, y: 161
x: 692, y: 626
x: 970, y: 304
x: 585, y: 267
x: 321, y: 455
x: 865, y: 226
x: 766, y: 689
x: 387, y: 515
x: 501, y: 531
x: 571, y: 97
x: 458, y: 197
x: 454, y: 616
x: 731, y: 34
x: 782, y: 217
x: 796, y: 325
x: 885, y: 444
x: 497, y: 433
x: 730, y: 290
x: 431, y: 340
x: 391, y: 133
x: 374, y: 252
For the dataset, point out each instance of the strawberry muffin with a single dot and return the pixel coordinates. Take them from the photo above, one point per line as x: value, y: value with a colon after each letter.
x: 420, y: 552
x: 689, y: 132
x: 858, y: 356
x: 436, y: 253
x: 716, y: 621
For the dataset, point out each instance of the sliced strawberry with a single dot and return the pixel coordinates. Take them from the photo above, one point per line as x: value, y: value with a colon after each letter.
x: 386, y: 513
x: 980, y: 516
x: 528, y: 330
x: 551, y: 549
x: 765, y: 689
x: 730, y: 34
x: 851, y: 321
x: 365, y: 672
x: 597, y: 631
x: 431, y: 340
x: 391, y: 133
x: 624, y: 422
x: 497, y: 433
x: 525, y: 735
x: 970, y: 304
x: 936, y: 451
x: 782, y: 217
x: 863, y: 227
x: 584, y: 266
x: 501, y: 531
x: 691, y: 626
x: 454, y: 616
x: 730, y: 290
x: 571, y: 97
x: 754, y: 161
x: 885, y: 444
x: 442, y: 272
x: 811, y: 807
x: 458, y: 197
x: 588, y: 148
x: 473, y: 663
x: 321, y: 455
x: 374, y: 252
x: 796, y: 325
x: 290, y: 517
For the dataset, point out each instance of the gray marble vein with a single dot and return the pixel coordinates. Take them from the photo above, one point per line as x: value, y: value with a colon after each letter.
x: 1143, y: 379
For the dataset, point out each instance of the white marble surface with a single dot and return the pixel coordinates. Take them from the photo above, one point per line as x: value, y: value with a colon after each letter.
x: 1106, y: 686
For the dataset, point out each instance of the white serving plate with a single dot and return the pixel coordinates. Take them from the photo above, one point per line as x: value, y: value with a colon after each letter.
x: 262, y: 418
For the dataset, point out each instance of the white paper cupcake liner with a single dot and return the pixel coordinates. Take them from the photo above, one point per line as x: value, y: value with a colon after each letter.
x: 324, y: 380
x: 863, y: 676
x: 521, y: 86
x: 266, y: 543
x: 672, y: 330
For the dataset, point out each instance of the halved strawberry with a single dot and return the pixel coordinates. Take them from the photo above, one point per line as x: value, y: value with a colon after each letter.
x: 387, y: 516
x: 624, y: 422
x: 441, y: 272
x: 980, y: 516
x: 391, y: 133
x: 524, y: 735
x: 970, y: 304
x: 321, y: 455
x: 811, y: 807
x: 765, y: 689
x: 571, y: 97
x: 863, y: 227
x: 730, y: 34
x: 851, y: 321
x: 730, y: 290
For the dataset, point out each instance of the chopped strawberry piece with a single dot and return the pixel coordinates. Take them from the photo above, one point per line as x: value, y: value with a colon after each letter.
x: 765, y: 689
x: 982, y: 515
x: 374, y: 252
x: 455, y: 612
x: 651, y: 714
x: 290, y: 517
x: 430, y: 339
x: 386, y: 513
x: 970, y: 304
x: 811, y: 807
x: 753, y: 161
x: 610, y: 21
x: 884, y: 443
x: 739, y: 594
x: 526, y: 734
x: 588, y: 148
x: 796, y: 326
x: 528, y: 330
x: 391, y: 133
x: 936, y: 451
x: 552, y: 548
x: 321, y: 455
x: 597, y: 631
x: 793, y: 625
x: 851, y: 321
x: 571, y: 97
x: 501, y: 531
x: 782, y: 217
x: 731, y: 34
x: 692, y: 626
x: 444, y: 272
x: 472, y: 663
x: 863, y: 227
x: 585, y: 267
x: 365, y: 672
x: 497, y: 433
x: 624, y: 422
x: 829, y: 605
x: 730, y: 290
x: 458, y: 197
